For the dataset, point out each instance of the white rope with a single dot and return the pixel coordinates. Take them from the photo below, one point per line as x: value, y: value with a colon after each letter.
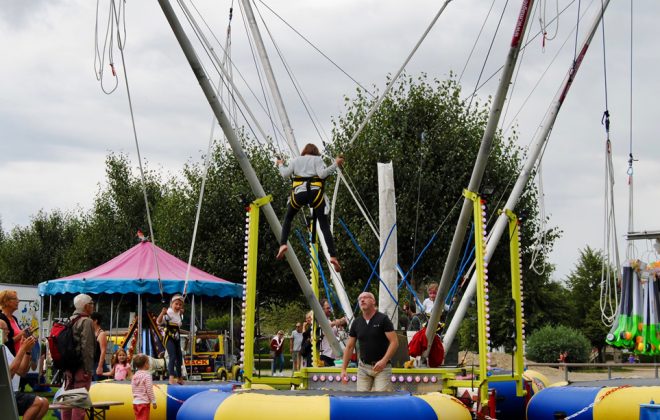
x: 631, y: 251
x: 340, y: 175
x: 207, y: 162
x: 543, y: 20
x: 108, y: 44
x: 541, y: 239
x: 226, y: 76
x: 609, y: 298
x: 117, y: 15
x: 169, y: 395
x: 585, y: 409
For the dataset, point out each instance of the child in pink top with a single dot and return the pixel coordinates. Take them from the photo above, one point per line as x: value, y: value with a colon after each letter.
x: 142, y: 387
x: 121, y: 369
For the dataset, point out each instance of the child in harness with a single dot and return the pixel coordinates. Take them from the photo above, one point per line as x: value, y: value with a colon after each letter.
x: 308, y: 173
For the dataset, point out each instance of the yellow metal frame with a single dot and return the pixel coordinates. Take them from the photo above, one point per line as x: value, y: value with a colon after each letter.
x: 449, y: 382
x: 516, y: 295
x: 485, y: 375
x: 251, y: 287
x: 482, y: 304
x: 314, y: 279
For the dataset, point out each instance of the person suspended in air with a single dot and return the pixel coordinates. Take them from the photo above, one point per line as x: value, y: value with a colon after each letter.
x: 308, y: 173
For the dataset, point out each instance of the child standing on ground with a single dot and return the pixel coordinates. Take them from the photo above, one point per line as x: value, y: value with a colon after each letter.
x: 142, y: 387
x: 121, y: 368
x: 171, y: 318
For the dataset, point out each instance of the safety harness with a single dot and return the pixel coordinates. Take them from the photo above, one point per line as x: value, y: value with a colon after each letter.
x: 171, y: 331
x: 309, y: 182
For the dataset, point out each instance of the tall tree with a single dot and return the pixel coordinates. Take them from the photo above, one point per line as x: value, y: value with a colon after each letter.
x: 584, y: 284
x: 110, y: 226
x: 34, y: 253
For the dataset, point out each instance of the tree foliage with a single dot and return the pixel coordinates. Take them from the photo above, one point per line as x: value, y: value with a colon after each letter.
x: 545, y: 344
x: 584, y: 283
x: 38, y: 252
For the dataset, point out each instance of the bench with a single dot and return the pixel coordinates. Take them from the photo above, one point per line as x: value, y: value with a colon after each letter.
x: 96, y: 411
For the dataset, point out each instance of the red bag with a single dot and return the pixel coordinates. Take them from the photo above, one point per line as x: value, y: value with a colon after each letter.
x: 62, y: 345
x: 418, y: 345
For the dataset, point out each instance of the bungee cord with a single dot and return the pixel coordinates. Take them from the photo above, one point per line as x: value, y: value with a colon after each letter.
x: 108, y: 43
x: 316, y: 123
x: 543, y: 21
x: 207, y: 163
x: 391, y: 83
x: 490, y: 48
x: 317, y: 49
x: 630, y: 251
x: 115, y: 16
x: 609, y: 299
x: 476, y: 41
x: 268, y: 105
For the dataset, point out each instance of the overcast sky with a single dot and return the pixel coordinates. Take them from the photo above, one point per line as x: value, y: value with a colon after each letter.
x: 58, y: 126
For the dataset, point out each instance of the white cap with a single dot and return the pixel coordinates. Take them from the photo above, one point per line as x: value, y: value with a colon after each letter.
x: 81, y: 300
x: 176, y: 297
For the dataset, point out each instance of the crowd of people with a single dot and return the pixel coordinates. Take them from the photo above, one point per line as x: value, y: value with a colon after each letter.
x: 23, y: 352
x: 371, y: 331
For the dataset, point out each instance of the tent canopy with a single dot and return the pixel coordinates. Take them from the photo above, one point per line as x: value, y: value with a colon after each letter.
x: 135, y: 271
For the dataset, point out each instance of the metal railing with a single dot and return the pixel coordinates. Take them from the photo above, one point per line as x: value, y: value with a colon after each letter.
x: 609, y: 366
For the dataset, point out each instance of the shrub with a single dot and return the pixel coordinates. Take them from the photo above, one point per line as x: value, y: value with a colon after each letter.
x: 545, y: 344
x: 221, y: 323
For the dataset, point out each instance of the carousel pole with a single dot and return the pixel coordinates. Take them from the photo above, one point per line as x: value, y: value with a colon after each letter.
x: 191, y: 334
x: 42, y: 327
x: 112, y: 307
x: 50, y: 313
x: 231, y: 326
x: 138, y: 341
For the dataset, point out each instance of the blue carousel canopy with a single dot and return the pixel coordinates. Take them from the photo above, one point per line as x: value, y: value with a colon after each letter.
x: 137, y: 271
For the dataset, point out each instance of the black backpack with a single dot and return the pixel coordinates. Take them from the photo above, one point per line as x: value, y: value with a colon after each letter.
x: 62, y: 345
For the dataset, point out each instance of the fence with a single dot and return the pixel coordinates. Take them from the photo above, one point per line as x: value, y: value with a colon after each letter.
x: 605, y: 366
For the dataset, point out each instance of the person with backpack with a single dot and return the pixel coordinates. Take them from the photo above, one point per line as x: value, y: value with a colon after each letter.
x: 79, y: 375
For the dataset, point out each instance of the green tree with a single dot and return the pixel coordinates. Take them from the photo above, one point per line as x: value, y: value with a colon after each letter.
x: 118, y: 212
x: 35, y: 253
x: 545, y: 344
x: 584, y: 285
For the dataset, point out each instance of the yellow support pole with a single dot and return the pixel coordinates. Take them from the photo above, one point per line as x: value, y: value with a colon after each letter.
x: 250, y: 279
x: 314, y: 278
x: 516, y: 295
x: 482, y: 294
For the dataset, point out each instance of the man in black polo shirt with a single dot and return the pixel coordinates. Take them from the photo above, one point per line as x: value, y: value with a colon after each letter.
x: 377, y: 344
